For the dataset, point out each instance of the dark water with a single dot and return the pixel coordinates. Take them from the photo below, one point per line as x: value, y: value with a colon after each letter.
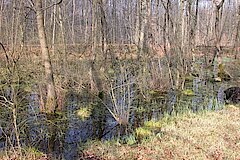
x: 72, y: 132
x: 64, y: 135
x: 69, y: 132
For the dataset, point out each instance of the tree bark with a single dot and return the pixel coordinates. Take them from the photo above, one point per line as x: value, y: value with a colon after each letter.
x: 50, y: 104
x: 54, y: 29
x: 217, y: 36
x: 236, y: 36
x: 1, y: 18
x: 94, y: 29
x: 143, y: 23
x: 73, y: 20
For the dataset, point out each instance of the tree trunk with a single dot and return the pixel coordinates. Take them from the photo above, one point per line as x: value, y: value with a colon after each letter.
x: 104, y: 29
x: 63, y: 37
x: 236, y: 39
x: 54, y: 29
x: 94, y: 29
x: 50, y: 104
x: 217, y: 36
x: 143, y: 23
x: 193, y: 30
x: 137, y: 26
x: 1, y: 19
x: 73, y: 20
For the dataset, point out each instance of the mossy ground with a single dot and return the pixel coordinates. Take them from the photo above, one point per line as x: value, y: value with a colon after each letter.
x: 206, y: 135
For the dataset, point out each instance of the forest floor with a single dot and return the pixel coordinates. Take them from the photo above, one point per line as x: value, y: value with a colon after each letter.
x: 207, y: 135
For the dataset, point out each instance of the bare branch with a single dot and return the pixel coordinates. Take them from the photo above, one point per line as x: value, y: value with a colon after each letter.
x: 54, y: 4
x: 31, y: 3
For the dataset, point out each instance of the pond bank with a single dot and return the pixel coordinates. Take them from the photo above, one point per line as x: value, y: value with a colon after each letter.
x: 205, y: 135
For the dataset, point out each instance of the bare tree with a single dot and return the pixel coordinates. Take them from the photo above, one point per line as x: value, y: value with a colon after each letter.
x: 50, y: 104
x: 236, y: 45
x: 218, y: 35
x: 145, y: 5
x: 1, y: 16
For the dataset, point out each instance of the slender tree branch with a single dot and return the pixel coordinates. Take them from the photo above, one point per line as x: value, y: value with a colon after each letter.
x: 54, y: 4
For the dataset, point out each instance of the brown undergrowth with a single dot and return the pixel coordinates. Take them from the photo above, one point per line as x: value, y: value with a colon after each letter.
x: 207, y: 135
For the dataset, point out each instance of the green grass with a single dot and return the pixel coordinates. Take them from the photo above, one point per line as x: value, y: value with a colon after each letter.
x: 26, y: 154
x: 206, y: 135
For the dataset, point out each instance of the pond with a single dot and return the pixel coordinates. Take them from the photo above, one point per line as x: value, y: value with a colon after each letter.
x: 112, y: 114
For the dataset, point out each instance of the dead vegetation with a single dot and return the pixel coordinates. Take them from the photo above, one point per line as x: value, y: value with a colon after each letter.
x: 208, y: 135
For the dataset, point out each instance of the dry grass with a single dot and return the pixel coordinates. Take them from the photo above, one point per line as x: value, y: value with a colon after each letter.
x: 28, y: 154
x: 209, y: 135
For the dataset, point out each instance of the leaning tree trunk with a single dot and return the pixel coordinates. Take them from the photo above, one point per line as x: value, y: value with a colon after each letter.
x: 50, y: 104
x: 217, y: 50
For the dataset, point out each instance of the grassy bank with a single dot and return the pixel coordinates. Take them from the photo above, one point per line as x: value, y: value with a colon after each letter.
x: 25, y: 154
x: 207, y: 135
